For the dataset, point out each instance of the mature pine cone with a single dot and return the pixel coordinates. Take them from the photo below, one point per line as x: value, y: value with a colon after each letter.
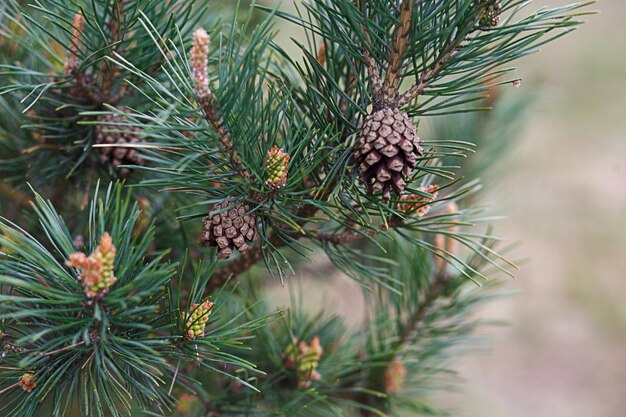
x: 388, y: 151
x: 229, y: 226
x: 110, y: 130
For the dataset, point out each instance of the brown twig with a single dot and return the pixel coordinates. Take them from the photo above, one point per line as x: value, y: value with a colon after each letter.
x: 88, y: 360
x: 10, y: 387
x: 432, y: 71
x: 54, y: 352
x: 400, y: 42
x: 433, y: 293
x: 115, y: 28
x: 223, y: 134
x: 375, y: 80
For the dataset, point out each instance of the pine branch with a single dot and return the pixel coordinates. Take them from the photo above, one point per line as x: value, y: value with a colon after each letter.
x: 435, y: 290
x: 400, y: 42
x: 115, y: 28
x: 224, y: 135
x: 432, y: 72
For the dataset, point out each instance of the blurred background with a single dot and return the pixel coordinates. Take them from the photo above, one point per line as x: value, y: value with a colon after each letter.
x: 562, y: 186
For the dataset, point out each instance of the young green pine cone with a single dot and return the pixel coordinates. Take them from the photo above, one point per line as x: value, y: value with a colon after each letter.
x: 388, y: 151
x: 276, y: 163
x: 96, y: 269
x: 197, y: 319
x: 229, y: 226
x: 111, y: 131
x: 105, y: 255
x: 304, y: 359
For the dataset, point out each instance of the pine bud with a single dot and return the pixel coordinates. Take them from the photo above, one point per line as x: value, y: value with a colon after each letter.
x: 96, y: 269
x: 276, y: 163
x: 28, y: 382
x: 143, y: 222
x: 304, y: 359
x: 395, y: 375
x: 416, y: 203
x: 71, y: 64
x: 490, y: 17
x: 197, y: 319
x: 200, y: 63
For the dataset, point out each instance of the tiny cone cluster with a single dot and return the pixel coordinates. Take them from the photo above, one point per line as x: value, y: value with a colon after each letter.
x: 111, y: 131
x: 416, y: 203
x: 197, y: 318
x: 304, y: 359
x: 96, y: 269
x: 490, y: 17
x: 395, y: 375
x: 28, y: 382
x: 388, y: 151
x: 229, y: 226
x: 276, y: 163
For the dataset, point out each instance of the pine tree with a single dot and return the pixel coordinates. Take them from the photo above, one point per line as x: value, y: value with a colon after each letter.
x: 163, y: 162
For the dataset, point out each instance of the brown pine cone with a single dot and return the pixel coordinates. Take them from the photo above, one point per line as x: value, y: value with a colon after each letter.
x: 110, y: 130
x: 388, y: 151
x: 229, y: 226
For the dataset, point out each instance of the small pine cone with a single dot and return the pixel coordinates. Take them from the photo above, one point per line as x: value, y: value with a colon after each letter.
x: 28, y: 382
x: 490, y: 17
x: 97, y: 274
x: 395, y: 376
x: 388, y: 151
x: 110, y: 130
x: 197, y: 319
x: 229, y: 226
x: 276, y: 163
x: 416, y: 203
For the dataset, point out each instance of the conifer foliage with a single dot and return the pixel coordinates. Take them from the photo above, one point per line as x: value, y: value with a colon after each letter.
x: 164, y: 162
